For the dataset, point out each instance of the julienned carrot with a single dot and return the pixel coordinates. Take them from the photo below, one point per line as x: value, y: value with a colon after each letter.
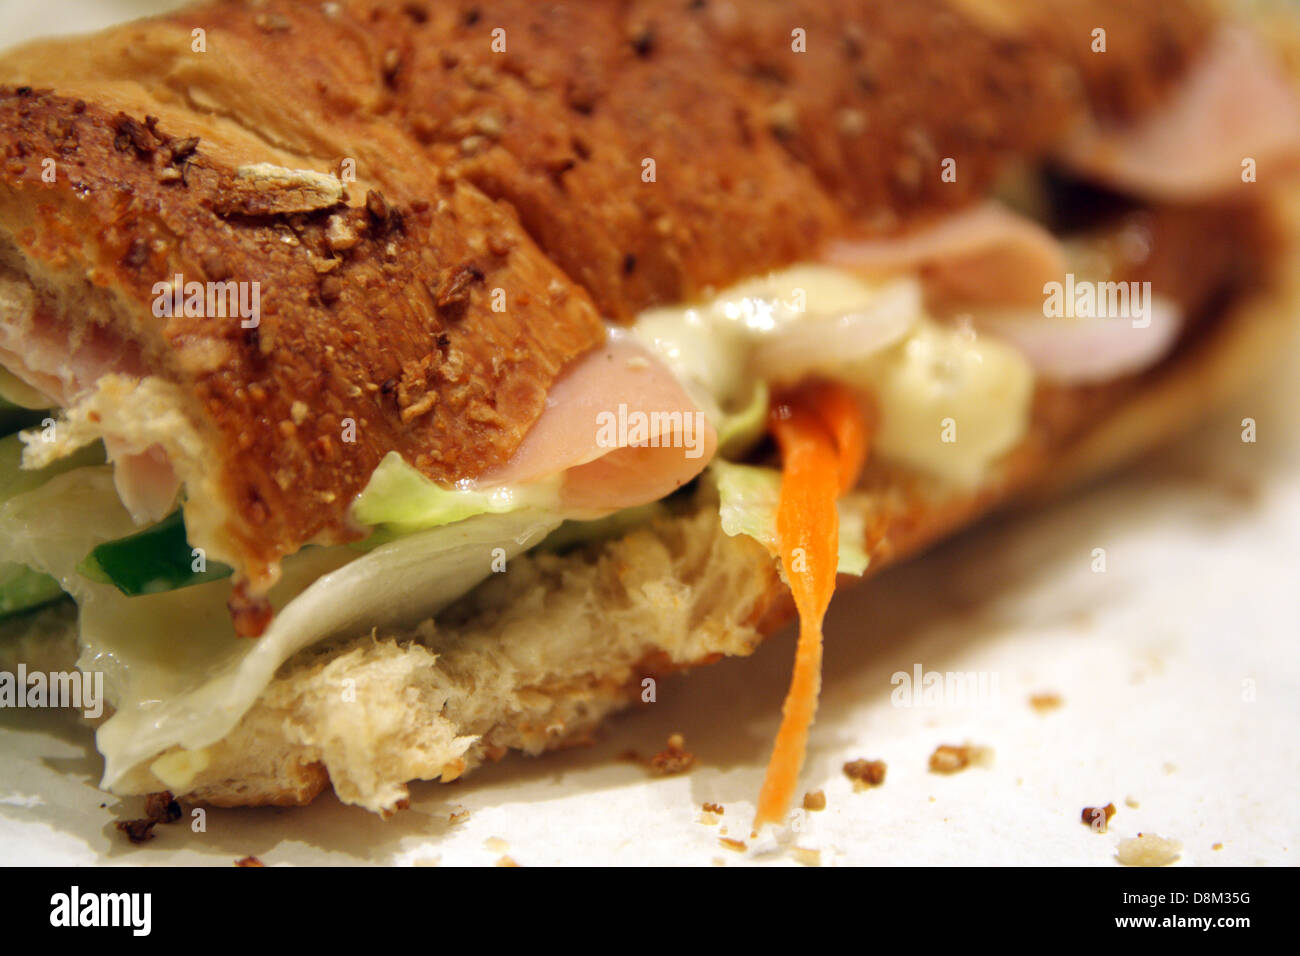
x: 823, y: 440
x: 839, y: 410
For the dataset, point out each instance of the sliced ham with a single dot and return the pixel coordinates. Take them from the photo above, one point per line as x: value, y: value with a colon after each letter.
x: 617, y: 425
x: 590, y: 431
x: 1084, y: 351
x: 985, y: 254
x: 40, y: 351
x: 1236, y: 103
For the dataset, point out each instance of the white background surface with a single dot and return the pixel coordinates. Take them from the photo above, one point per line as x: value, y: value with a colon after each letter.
x: 1177, y: 668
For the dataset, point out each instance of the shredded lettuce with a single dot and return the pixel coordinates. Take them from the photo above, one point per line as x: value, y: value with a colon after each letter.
x: 399, y: 500
x: 174, y: 670
x: 747, y: 503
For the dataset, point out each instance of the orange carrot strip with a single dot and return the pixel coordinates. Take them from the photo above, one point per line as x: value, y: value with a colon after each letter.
x: 839, y: 410
x: 817, y: 459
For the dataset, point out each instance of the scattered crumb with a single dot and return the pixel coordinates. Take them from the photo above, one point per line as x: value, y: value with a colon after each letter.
x: 709, y: 818
x: 459, y: 814
x: 249, y: 861
x: 714, y: 808
x: 946, y: 759
x: 426, y: 861
x: 137, y: 831
x: 1098, y: 817
x: 1131, y: 802
x: 675, y: 758
x: 806, y: 856
x: 932, y: 800
x: 719, y: 861
x: 737, y: 845
x: 817, y: 799
x: 160, y: 807
x: 1045, y: 702
x: 1170, y: 768
x: 865, y: 773
x: 506, y: 861
x: 1216, y: 846
x: 949, y: 759
x: 496, y: 845
x: 1148, y: 849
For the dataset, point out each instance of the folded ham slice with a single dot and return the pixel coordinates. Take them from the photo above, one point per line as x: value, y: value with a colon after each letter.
x: 1236, y: 103
x: 620, y: 428
x: 984, y: 254
x: 39, y: 349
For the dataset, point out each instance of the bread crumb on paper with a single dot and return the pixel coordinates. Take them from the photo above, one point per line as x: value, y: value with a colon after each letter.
x: 137, y: 831
x: 459, y: 814
x: 865, y: 773
x: 1131, y: 802
x: 160, y: 807
x: 715, y: 808
x: 1098, y: 817
x: 1216, y: 846
x: 674, y: 758
x: 1148, y: 849
x: 496, y: 845
x: 506, y: 861
x: 249, y: 861
x: 949, y: 759
x: 816, y: 800
x: 736, y: 846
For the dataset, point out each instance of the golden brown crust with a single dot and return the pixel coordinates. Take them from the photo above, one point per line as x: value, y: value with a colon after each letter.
x: 382, y: 337
x: 783, y: 147
x: 477, y: 170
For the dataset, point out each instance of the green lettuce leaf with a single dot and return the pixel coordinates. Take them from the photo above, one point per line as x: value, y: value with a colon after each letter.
x: 176, y: 673
x: 747, y: 502
x: 399, y: 500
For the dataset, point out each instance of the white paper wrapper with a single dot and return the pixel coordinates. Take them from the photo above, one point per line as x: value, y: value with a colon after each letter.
x: 1176, y: 667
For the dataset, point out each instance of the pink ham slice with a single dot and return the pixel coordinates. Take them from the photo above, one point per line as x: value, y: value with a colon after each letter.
x: 983, y: 255
x: 1236, y: 103
x: 606, y: 466
x: 41, y: 351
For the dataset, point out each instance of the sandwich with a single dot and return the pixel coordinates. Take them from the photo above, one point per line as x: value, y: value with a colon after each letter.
x: 391, y: 386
